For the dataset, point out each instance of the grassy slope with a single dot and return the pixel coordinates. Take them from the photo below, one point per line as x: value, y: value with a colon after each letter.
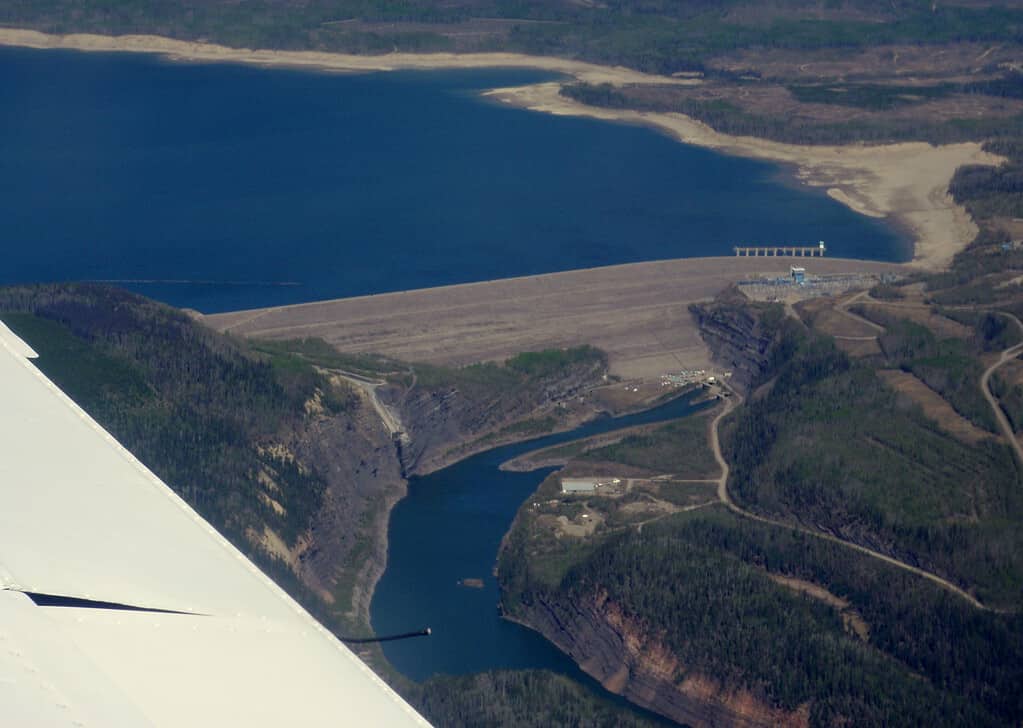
x: 678, y: 447
x: 525, y: 370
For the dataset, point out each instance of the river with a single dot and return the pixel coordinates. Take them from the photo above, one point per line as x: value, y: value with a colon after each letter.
x: 449, y: 528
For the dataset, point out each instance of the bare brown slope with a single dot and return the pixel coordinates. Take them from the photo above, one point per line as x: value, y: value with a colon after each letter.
x: 637, y: 313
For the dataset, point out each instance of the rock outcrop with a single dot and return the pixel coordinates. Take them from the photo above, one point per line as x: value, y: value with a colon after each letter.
x: 365, y: 465
x: 616, y: 650
x: 442, y: 423
x: 738, y: 339
x: 355, y: 455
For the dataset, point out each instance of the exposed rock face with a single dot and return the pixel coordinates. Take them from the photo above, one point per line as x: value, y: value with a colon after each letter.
x: 439, y: 421
x: 365, y: 468
x: 616, y: 650
x: 737, y: 339
x: 354, y: 453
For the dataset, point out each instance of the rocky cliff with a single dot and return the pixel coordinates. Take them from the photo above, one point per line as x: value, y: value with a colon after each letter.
x: 739, y: 335
x: 346, y: 548
x: 364, y: 463
x: 448, y: 422
x: 618, y: 651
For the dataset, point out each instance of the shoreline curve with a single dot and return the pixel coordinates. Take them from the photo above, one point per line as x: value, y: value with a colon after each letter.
x: 905, y: 183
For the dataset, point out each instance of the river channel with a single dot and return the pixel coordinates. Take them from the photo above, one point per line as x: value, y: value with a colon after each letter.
x: 449, y: 528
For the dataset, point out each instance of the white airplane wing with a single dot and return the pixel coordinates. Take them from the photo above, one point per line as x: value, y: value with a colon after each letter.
x: 120, y: 606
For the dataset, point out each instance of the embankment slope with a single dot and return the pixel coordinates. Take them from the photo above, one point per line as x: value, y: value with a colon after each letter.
x: 637, y: 313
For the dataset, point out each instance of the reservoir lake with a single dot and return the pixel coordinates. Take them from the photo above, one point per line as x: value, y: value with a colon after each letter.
x: 221, y: 187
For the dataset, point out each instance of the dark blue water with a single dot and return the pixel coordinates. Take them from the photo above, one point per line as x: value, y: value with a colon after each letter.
x: 449, y: 528
x: 222, y: 187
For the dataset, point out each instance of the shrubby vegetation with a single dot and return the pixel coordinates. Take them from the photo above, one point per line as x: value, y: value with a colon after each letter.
x: 988, y: 193
x: 878, y: 97
x: 519, y: 698
x: 302, y: 352
x: 489, y: 379
x: 978, y: 274
x: 883, y: 97
x: 948, y: 366
x: 1010, y: 398
x: 729, y: 118
x: 992, y: 191
x: 993, y: 331
x: 680, y: 447
x: 887, y: 292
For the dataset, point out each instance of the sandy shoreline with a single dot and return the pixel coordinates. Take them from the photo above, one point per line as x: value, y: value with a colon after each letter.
x: 210, y: 52
x: 905, y: 183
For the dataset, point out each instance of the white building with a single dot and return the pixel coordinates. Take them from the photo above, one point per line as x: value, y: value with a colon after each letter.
x: 586, y: 485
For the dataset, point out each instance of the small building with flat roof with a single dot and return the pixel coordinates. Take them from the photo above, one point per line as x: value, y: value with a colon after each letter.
x: 585, y: 485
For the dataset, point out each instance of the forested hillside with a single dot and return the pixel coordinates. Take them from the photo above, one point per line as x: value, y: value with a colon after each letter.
x: 210, y: 418
x: 523, y: 698
x: 279, y: 455
x: 766, y: 612
x: 831, y: 447
x: 794, y: 622
x: 195, y: 405
x: 800, y: 72
x: 661, y: 36
x: 786, y: 110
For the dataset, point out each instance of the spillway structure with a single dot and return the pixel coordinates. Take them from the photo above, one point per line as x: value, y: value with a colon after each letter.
x: 801, y: 251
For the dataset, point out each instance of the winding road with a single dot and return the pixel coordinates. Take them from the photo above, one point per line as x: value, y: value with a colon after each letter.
x: 388, y: 417
x: 843, y: 308
x: 1003, y: 422
x: 731, y: 403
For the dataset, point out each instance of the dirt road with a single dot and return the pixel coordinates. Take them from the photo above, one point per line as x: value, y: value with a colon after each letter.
x: 726, y: 499
x: 1003, y: 422
x: 389, y: 417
